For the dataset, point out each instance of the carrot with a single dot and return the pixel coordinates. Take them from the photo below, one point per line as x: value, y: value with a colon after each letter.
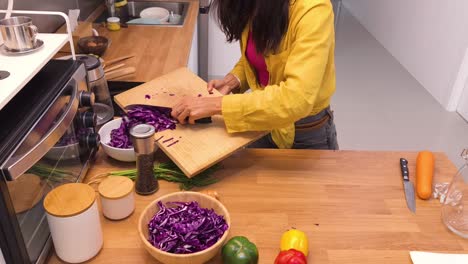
x: 424, y: 174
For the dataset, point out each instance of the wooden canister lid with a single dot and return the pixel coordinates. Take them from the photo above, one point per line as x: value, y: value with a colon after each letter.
x: 69, y: 199
x: 115, y: 187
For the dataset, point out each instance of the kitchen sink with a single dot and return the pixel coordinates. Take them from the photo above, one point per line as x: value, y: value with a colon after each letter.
x: 135, y: 7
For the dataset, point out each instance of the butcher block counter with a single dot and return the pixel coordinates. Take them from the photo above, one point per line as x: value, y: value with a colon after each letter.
x: 350, y: 203
x: 157, y: 49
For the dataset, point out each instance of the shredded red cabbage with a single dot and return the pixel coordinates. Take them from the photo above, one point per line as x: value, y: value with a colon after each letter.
x: 120, y: 137
x: 158, y: 117
x: 173, y: 143
x: 186, y: 228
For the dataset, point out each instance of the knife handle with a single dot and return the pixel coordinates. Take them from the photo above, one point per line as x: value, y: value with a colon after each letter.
x: 204, y: 120
x: 404, y: 169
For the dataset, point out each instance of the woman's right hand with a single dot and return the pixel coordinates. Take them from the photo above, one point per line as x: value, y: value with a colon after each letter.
x: 224, y: 86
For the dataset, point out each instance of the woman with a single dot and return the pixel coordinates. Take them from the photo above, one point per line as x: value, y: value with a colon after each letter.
x: 288, y: 63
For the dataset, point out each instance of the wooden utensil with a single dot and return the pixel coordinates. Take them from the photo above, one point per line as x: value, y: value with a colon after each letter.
x: 198, y: 147
x: 119, y: 59
x: 118, y: 66
x: 120, y: 72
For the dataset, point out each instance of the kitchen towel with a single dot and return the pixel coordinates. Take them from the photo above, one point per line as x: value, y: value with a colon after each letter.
x: 437, y: 258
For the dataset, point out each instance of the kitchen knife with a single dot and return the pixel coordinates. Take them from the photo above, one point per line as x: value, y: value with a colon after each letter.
x: 408, y: 186
x: 204, y: 120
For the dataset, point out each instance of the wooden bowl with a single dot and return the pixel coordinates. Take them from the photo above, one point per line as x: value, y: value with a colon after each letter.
x: 96, y: 45
x: 205, y: 201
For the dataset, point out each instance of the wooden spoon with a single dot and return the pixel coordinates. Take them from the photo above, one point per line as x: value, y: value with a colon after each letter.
x: 119, y: 59
x: 118, y: 66
x: 120, y: 72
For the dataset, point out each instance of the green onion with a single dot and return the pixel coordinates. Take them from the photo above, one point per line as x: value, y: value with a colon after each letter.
x: 164, y: 171
x: 171, y: 173
x: 52, y: 174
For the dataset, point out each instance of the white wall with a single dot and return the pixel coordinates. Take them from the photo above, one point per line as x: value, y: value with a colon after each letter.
x: 193, y: 56
x: 428, y: 38
x: 222, y: 56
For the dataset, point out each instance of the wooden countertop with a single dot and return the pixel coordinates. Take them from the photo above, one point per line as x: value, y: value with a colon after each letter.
x: 351, y: 205
x: 158, y: 49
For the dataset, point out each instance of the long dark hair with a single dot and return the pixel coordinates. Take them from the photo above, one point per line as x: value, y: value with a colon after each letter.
x: 269, y: 18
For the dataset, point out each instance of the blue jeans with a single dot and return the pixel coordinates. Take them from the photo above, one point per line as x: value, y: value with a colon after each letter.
x: 312, y: 132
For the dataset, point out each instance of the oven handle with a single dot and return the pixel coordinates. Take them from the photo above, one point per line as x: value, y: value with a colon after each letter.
x: 22, y: 164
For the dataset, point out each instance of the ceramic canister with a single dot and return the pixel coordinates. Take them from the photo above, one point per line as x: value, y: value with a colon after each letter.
x: 117, y: 197
x: 73, y: 217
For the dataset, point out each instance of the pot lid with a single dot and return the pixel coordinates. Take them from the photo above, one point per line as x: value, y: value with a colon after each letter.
x: 89, y: 61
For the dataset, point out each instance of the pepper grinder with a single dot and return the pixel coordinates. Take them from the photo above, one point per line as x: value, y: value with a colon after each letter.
x: 143, y: 142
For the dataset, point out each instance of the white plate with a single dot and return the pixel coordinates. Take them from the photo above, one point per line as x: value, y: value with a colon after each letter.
x: 155, y: 12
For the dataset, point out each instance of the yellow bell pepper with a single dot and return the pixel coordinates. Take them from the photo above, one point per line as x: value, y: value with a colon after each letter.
x: 295, y: 239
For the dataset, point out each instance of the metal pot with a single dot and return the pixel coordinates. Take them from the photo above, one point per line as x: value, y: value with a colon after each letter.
x: 18, y: 33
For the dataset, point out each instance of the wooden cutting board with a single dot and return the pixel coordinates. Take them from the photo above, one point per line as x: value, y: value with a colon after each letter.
x: 25, y: 192
x: 199, y: 146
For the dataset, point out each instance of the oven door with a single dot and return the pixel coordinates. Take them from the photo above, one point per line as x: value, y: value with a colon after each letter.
x: 50, y: 155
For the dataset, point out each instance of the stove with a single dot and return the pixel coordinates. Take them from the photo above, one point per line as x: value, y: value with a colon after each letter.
x: 48, y: 138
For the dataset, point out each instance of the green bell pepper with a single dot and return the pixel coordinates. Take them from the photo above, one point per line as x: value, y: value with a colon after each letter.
x: 239, y: 250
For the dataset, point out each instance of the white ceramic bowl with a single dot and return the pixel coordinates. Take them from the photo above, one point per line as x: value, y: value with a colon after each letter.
x: 116, y: 153
x: 155, y: 12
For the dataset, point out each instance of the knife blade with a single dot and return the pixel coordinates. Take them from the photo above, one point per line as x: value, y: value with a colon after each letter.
x: 204, y: 120
x: 408, y: 186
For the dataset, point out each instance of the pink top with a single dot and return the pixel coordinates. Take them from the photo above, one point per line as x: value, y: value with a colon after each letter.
x: 257, y: 61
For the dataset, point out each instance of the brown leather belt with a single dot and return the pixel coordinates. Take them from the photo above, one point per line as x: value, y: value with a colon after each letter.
x: 318, y: 123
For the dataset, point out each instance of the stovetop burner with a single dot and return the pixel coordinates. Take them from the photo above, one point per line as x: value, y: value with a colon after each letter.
x: 4, y: 74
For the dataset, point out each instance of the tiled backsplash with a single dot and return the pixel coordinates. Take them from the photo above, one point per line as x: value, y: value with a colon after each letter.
x: 48, y: 24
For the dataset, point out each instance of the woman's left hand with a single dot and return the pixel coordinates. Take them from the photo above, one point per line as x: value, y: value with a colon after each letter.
x: 195, y: 108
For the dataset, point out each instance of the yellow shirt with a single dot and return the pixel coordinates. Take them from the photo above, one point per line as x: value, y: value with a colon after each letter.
x: 302, y: 76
